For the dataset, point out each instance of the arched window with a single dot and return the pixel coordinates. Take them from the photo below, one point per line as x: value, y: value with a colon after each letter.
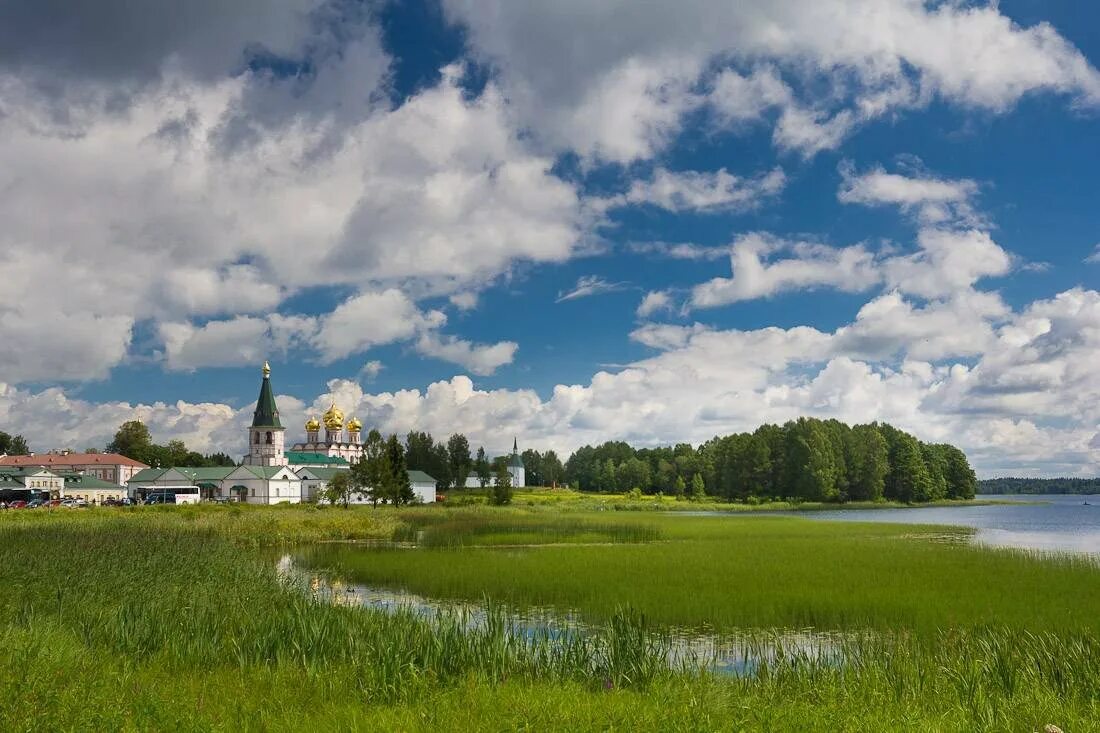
x: 257, y: 439
x: 268, y: 438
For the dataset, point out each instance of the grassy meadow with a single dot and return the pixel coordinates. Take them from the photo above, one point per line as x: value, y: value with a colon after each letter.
x: 175, y: 619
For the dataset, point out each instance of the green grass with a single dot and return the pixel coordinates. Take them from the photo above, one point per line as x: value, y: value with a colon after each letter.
x: 175, y: 620
x: 540, y: 497
x: 749, y: 572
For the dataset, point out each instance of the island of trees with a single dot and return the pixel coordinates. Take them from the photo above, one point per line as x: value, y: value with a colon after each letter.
x: 1039, y: 486
x: 802, y: 460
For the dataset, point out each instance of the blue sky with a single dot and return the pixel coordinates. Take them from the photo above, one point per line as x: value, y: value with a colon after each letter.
x: 558, y: 221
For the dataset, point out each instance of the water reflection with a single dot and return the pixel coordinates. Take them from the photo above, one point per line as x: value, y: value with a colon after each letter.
x: 732, y: 653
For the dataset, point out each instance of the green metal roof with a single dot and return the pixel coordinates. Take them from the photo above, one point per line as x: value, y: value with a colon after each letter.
x: 266, y: 414
x: 86, y: 481
x: 208, y: 473
x: 302, y: 457
x: 419, y: 477
x: 325, y: 473
x: 148, y: 474
x: 266, y: 472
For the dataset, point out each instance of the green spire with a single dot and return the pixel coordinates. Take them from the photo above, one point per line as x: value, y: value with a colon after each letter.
x: 516, y: 461
x: 267, y: 414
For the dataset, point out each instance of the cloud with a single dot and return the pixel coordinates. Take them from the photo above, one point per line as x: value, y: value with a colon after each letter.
x: 679, y: 250
x: 371, y: 370
x: 851, y: 269
x: 587, y: 286
x: 654, y: 302
x: 437, y: 196
x: 948, y: 261
x: 371, y: 319
x: 234, y: 342
x: 633, y: 72
x: 123, y: 43
x: 705, y: 192
x: 1024, y: 398
x: 935, y: 201
x: 1094, y: 258
x: 464, y: 301
x: 479, y: 359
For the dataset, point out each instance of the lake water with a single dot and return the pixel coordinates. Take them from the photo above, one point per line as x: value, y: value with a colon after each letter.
x: 1057, y: 523
x: 731, y: 653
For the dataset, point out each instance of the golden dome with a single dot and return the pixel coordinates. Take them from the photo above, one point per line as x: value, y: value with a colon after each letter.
x: 334, y: 418
x: 354, y: 425
x: 313, y: 425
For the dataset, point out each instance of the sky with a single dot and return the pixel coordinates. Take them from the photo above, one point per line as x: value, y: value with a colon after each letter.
x: 564, y: 221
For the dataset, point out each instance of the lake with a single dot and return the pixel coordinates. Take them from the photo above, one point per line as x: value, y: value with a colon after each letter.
x: 1056, y: 522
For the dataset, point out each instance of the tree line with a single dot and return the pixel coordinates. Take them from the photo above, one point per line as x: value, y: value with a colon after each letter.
x: 13, y: 445
x: 1039, y: 486
x: 134, y: 441
x: 803, y: 460
x: 451, y: 463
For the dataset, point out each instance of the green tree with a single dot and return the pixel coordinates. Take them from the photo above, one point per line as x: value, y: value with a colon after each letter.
x: 458, y: 458
x: 961, y: 481
x: 482, y: 468
x: 418, y: 451
x: 440, y: 467
x: 532, y: 465
x: 633, y: 474
x: 369, y: 474
x: 339, y: 489
x: 398, y: 487
x: 607, y: 480
x: 13, y: 445
x: 935, y: 462
x: 698, y: 488
x: 909, y: 477
x: 679, y: 487
x: 868, y: 463
x: 552, y: 470
x: 502, y: 486
x: 133, y: 441
x: 810, y: 461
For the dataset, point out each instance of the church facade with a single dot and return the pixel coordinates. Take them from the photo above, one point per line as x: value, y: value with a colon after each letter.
x: 341, y: 441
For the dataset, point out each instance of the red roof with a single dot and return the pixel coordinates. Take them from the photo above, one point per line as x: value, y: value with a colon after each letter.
x: 71, y: 459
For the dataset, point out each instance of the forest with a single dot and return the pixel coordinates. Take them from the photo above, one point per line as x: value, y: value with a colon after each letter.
x: 803, y: 460
x: 1039, y: 486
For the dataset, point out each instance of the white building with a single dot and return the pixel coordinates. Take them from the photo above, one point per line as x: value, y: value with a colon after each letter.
x: 515, y: 470
x: 110, y: 467
x: 316, y: 479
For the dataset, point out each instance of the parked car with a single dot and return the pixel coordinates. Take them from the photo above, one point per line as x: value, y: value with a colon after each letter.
x: 17, y: 504
x: 34, y: 504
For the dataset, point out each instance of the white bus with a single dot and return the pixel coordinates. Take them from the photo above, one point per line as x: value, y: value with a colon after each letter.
x: 173, y: 495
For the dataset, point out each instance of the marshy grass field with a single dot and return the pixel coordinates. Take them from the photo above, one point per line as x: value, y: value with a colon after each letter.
x: 176, y: 618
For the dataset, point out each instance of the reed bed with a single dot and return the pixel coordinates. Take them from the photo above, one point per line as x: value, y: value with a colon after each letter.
x: 161, y: 621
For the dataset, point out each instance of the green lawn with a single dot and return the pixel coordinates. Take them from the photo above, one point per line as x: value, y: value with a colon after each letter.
x: 174, y: 619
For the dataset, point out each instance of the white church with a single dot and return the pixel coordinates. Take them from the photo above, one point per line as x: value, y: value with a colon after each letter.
x: 270, y: 474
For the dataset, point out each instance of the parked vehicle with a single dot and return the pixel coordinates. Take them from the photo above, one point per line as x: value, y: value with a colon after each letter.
x: 17, y: 504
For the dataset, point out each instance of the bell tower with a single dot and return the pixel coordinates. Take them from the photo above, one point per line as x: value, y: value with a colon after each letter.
x: 265, y: 436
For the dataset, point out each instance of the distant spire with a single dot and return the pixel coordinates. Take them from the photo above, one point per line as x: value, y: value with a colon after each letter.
x: 267, y: 370
x: 516, y: 461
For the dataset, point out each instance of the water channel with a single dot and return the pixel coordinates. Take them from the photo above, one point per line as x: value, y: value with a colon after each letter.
x: 1064, y: 524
